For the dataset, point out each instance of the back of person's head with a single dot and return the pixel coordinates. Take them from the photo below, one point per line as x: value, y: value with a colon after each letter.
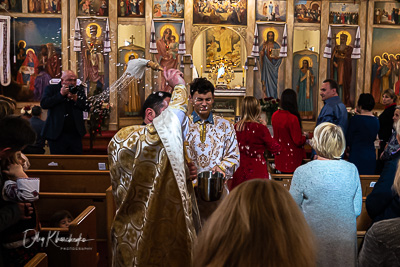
x: 16, y: 133
x: 251, y: 111
x: 257, y: 224
x: 332, y: 84
x: 366, y: 102
x: 36, y: 111
x: 390, y: 93
x: 155, y: 102
x: 328, y: 141
x: 201, y: 86
x: 5, y: 109
x: 12, y: 102
x: 289, y: 103
x: 58, y: 216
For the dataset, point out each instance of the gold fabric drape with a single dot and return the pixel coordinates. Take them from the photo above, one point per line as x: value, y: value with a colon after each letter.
x: 153, y: 225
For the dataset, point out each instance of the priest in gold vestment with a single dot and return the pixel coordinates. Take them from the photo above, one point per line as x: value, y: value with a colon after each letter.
x: 153, y: 225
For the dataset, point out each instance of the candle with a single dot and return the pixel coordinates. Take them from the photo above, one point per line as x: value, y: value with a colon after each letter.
x: 201, y: 71
x: 243, y: 71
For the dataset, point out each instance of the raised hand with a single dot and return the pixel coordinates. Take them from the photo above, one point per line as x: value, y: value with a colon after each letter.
x: 174, y: 77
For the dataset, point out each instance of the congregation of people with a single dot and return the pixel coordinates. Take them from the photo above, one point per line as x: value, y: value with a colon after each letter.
x: 161, y: 218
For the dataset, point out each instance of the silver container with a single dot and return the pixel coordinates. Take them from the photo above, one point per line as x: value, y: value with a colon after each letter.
x: 210, y: 185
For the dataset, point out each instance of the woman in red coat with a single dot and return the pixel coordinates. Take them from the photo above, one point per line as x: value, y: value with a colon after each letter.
x: 287, y: 131
x: 253, y: 138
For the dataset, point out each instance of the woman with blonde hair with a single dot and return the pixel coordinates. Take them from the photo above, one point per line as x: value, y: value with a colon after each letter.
x: 328, y: 191
x: 253, y: 139
x: 257, y: 224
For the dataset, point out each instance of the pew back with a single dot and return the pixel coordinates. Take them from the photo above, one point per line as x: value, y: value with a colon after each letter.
x: 68, y: 162
x: 72, y: 181
x: 66, y: 254
x: 40, y: 260
x: 367, y: 181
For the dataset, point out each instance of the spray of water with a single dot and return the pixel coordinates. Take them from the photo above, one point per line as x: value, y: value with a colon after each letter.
x: 135, y: 70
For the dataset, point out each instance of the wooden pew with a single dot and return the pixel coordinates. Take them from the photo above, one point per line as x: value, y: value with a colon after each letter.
x: 74, y: 191
x: 367, y: 181
x: 363, y: 221
x: 360, y: 239
x: 72, y: 181
x: 271, y: 164
x: 68, y: 254
x: 68, y: 162
x: 40, y: 260
x: 111, y: 210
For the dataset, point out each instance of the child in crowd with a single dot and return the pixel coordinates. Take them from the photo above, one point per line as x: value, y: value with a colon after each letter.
x: 18, y: 221
x: 18, y: 187
x: 61, y: 219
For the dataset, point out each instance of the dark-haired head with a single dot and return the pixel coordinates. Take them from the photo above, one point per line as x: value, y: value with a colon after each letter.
x: 202, y: 86
x: 390, y: 93
x: 155, y: 103
x: 59, y: 216
x: 289, y: 103
x: 16, y: 133
x: 366, y: 102
x: 36, y: 111
x: 332, y: 84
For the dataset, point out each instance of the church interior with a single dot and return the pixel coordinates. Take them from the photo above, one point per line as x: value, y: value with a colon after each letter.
x: 244, y: 47
x: 303, y: 28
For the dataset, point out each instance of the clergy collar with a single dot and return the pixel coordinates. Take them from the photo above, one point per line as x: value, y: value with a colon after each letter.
x: 197, y: 118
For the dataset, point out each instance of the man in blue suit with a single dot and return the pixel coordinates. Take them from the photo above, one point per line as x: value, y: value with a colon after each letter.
x: 64, y: 127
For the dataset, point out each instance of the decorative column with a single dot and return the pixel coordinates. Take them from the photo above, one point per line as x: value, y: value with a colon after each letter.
x: 251, y: 62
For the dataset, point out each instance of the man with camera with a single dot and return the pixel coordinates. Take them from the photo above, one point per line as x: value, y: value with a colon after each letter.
x: 64, y: 127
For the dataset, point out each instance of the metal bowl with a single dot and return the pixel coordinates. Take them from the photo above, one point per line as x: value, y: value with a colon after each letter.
x: 210, y: 185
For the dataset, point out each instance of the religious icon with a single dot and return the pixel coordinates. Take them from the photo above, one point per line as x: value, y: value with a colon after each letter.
x: 270, y: 61
x: 131, y: 8
x: 305, y: 77
x: 223, y: 43
x: 11, y: 5
x: 168, y: 8
x: 342, y: 66
x: 93, y: 63
x: 376, y: 79
x: 386, y: 13
x: 307, y: 11
x: 92, y: 7
x: 268, y: 10
x: 220, y: 12
x: 130, y: 99
x: 38, y: 57
x: 385, y: 65
x: 44, y: 6
x: 343, y: 13
x: 167, y: 36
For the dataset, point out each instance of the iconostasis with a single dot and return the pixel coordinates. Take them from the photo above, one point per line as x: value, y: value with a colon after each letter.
x: 259, y: 47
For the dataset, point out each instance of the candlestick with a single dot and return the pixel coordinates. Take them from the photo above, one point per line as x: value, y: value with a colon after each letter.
x: 201, y: 71
x: 244, y: 74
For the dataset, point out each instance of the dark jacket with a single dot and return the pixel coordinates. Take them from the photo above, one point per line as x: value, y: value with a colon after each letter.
x: 383, y: 203
x: 38, y: 147
x: 386, y: 124
x: 58, y: 106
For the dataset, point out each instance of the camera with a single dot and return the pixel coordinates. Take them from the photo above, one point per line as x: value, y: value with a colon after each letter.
x: 75, y: 89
